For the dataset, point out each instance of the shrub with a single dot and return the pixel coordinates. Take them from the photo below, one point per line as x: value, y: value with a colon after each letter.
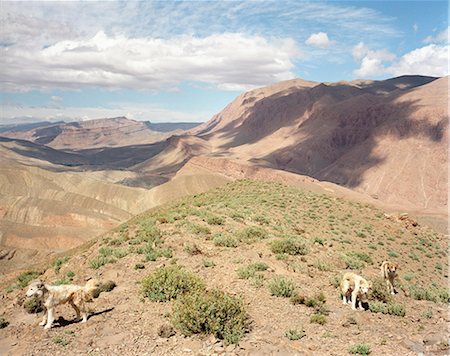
x: 318, y: 318
x: 70, y: 274
x: 295, y: 334
x: 360, y: 349
x: 335, y: 281
x: 318, y: 240
x: 200, y: 229
x: 396, y: 309
x: 96, y: 263
x: 432, y: 294
x: 323, y: 265
x: 120, y: 253
x: 25, y: 278
x: 257, y: 281
x: 105, y: 251
x: 215, y: 220
x: 251, y: 269
x: 252, y: 234
x: 379, y: 291
x: 298, y: 299
x: 408, y: 276
x: 211, y: 312
x: 290, y: 245
x: 377, y: 307
x: 59, y: 262
x: 428, y: 314
x: 33, y: 305
x: 316, y: 301
x: 168, y: 283
x: 192, y: 250
x: 282, y: 287
x: 60, y: 340
x: 392, y: 254
x: 225, y: 240
x: 208, y: 263
x: 3, y: 323
x: 355, y: 260
x: 107, y: 286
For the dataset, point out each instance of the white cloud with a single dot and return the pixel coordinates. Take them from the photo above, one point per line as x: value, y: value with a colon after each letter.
x: 440, y: 37
x: 56, y: 98
x: 233, y: 60
x: 431, y: 60
x: 135, y: 111
x: 415, y: 27
x: 319, y: 39
x: 359, y: 51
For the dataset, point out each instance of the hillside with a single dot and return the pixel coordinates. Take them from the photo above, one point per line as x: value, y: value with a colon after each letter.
x: 217, y: 236
x: 111, y: 132
x: 387, y: 139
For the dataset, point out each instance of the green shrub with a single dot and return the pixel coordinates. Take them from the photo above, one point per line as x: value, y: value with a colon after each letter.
x: 318, y: 240
x: 355, y: 260
x: 33, y: 305
x: 61, y: 281
x: 323, y: 265
x: 335, y: 280
x: 360, y: 349
x: 168, y: 283
x: 282, y: 287
x: 251, y: 269
x: 408, y: 276
x: 290, y: 245
x: 120, y: 253
x: 379, y: 291
x: 295, y: 334
x: 318, y: 318
x: 59, y: 262
x: 215, y: 220
x: 70, y: 274
x: 257, y: 281
x: 192, y: 250
x: 208, y: 263
x: 297, y: 299
x: 252, y: 234
x: 99, y: 261
x: 225, y: 240
x: 107, y: 286
x: 432, y: 294
x: 200, y: 229
x: 392, y: 254
x: 428, y: 314
x: 211, y: 312
x: 396, y: 309
x: 25, y: 278
x: 105, y: 251
x: 378, y: 307
x: 60, y: 340
x: 3, y: 323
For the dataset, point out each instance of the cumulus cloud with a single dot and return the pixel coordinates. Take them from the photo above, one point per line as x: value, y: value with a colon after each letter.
x: 56, y: 98
x: 319, y: 39
x: 233, y: 60
x: 440, y: 37
x: 431, y: 60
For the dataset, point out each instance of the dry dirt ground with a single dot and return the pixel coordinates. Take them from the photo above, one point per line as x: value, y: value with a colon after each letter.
x: 194, y: 231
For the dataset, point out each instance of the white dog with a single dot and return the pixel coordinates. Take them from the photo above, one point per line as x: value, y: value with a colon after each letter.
x: 53, y: 296
x: 356, y: 287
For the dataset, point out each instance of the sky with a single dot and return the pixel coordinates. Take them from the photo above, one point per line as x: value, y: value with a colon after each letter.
x: 180, y: 61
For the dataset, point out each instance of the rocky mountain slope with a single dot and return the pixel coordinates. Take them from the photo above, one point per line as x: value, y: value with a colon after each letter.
x: 386, y: 138
x: 113, y: 132
x: 279, y: 249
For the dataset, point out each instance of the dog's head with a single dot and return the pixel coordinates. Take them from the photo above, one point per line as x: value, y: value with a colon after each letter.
x: 392, y: 268
x: 364, y: 287
x: 36, y: 289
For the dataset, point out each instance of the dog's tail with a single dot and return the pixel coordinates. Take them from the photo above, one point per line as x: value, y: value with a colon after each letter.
x: 91, y: 290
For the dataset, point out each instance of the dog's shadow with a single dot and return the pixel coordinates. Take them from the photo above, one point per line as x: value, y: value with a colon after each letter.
x: 61, y: 322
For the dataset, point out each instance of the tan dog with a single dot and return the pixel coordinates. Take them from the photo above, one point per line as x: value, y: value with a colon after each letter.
x: 355, y: 287
x: 389, y: 273
x: 53, y: 296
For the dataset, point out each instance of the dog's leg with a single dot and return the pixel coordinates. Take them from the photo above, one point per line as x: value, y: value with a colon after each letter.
x: 360, y: 304
x: 354, y: 297
x: 344, y: 298
x: 77, y: 310
x: 84, y: 316
x: 50, y: 318
x: 44, y: 318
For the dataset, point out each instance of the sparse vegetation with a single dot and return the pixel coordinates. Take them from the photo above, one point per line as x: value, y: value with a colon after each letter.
x: 60, y: 340
x: 211, y: 312
x: 432, y: 294
x: 318, y: 318
x: 33, y: 305
x: 360, y: 349
x: 295, y: 334
x: 100, y: 261
x: 168, y: 283
x: 282, y: 287
x: 225, y: 240
x: 290, y: 245
x: 251, y: 270
x: 355, y: 260
x: 22, y: 280
x: 379, y: 291
x: 59, y: 262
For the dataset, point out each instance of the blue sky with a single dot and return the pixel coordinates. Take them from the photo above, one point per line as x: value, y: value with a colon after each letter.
x: 186, y: 60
